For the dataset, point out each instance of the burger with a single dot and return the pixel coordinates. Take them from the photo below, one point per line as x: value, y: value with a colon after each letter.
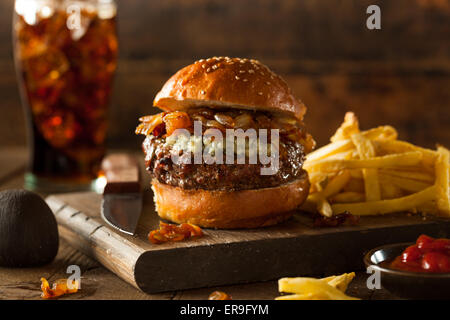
x: 229, y: 96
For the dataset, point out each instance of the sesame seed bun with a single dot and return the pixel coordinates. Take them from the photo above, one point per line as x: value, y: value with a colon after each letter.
x: 223, y: 82
x: 230, y: 209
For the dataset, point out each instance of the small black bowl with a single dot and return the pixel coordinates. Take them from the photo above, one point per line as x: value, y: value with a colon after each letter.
x: 406, y: 284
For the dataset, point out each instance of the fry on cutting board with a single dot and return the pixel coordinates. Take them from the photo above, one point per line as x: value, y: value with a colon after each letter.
x: 371, y: 172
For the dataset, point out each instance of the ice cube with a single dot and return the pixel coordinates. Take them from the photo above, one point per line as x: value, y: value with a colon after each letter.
x: 33, y: 10
x: 106, y: 9
x: 28, y: 10
x: 78, y: 19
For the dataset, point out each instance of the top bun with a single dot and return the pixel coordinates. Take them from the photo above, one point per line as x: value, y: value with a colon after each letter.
x: 223, y: 82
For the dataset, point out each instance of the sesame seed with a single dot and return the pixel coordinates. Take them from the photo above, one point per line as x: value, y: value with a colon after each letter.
x: 208, y: 70
x: 214, y: 67
x: 202, y: 92
x: 241, y: 71
x: 251, y: 71
x: 267, y: 82
x: 201, y: 60
x: 262, y: 73
x: 245, y: 80
x: 203, y: 66
x: 237, y: 78
x: 271, y: 76
x: 260, y: 93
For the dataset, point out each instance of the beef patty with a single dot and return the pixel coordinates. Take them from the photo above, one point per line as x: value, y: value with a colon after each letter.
x: 228, y: 177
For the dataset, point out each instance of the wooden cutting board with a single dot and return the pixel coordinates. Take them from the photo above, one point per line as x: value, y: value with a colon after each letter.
x: 222, y: 257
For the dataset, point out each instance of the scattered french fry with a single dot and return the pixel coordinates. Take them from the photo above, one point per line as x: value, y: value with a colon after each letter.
x: 304, y: 296
x: 371, y: 172
x: 331, y: 288
x: 340, y: 282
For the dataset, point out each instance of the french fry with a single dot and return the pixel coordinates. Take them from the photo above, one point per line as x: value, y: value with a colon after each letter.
x: 395, y: 146
x: 316, y: 202
x: 393, y: 160
x: 318, y: 177
x: 324, y: 207
x: 304, y: 296
x: 429, y: 208
x: 442, y: 177
x: 347, y: 128
x: 336, y: 184
x: 406, y: 203
x: 415, y: 173
x: 379, y: 133
x: 340, y: 282
x: 389, y: 191
x: 312, y: 286
x: 404, y: 183
x: 329, y: 150
x: 356, y: 173
x: 346, y: 197
x: 355, y: 185
x: 371, y: 172
x: 366, y: 151
x: 382, y: 133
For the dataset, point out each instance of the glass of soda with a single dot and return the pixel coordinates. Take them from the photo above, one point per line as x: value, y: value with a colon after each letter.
x: 65, y: 53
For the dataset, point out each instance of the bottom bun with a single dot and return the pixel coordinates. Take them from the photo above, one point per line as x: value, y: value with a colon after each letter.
x: 230, y: 209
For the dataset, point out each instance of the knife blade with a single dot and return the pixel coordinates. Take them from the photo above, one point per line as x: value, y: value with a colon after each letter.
x: 122, y: 197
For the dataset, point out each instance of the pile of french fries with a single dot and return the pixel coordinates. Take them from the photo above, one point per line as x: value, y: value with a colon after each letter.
x: 330, y: 288
x: 371, y: 172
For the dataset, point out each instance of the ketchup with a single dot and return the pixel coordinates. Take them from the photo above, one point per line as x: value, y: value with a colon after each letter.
x: 427, y: 255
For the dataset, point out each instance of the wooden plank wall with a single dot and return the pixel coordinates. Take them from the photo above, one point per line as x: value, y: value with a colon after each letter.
x: 398, y: 75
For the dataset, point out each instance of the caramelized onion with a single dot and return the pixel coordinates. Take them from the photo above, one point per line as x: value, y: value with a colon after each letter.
x: 244, y: 121
x: 198, y: 117
x: 205, y: 112
x: 219, y: 295
x: 149, y: 123
x: 214, y: 124
x: 224, y: 119
x: 176, y: 120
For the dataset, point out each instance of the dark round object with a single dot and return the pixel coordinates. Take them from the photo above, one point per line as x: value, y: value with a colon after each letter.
x: 406, y: 284
x: 28, y: 230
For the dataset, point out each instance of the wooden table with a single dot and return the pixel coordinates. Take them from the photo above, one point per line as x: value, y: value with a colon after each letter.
x: 99, y: 283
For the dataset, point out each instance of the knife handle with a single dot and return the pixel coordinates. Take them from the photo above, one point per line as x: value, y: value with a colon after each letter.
x: 122, y: 173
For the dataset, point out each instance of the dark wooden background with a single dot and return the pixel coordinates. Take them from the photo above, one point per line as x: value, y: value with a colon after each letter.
x: 399, y: 75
